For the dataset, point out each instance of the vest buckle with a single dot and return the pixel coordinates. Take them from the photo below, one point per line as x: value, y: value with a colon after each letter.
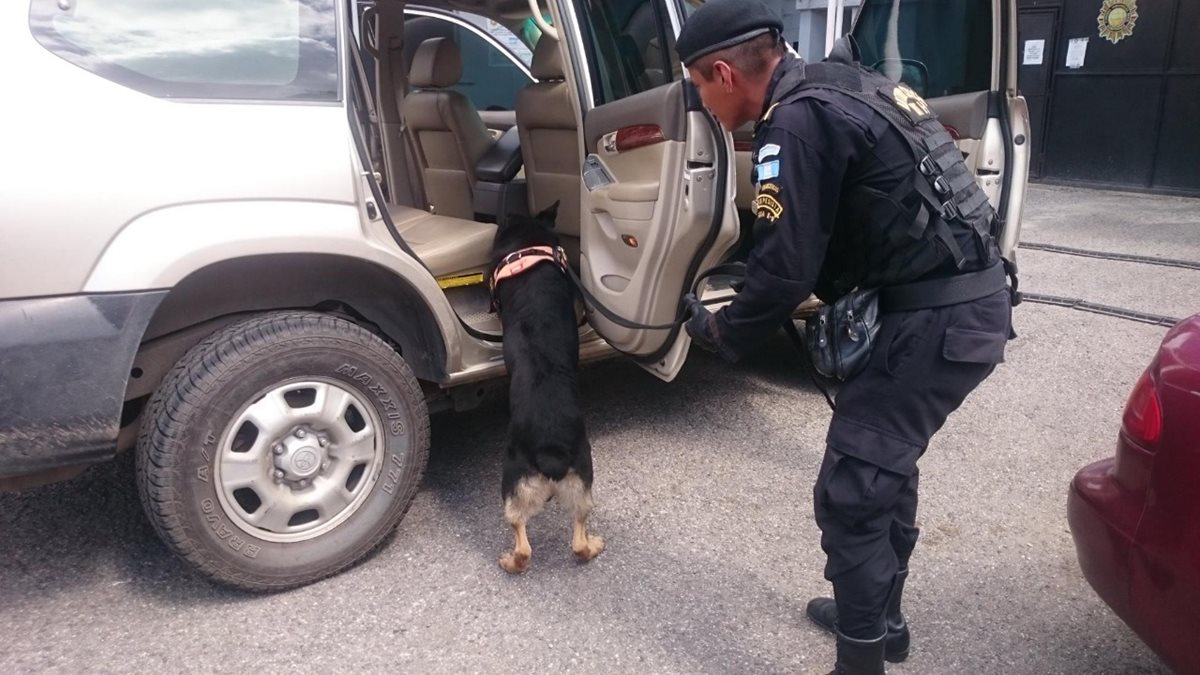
x: 941, y: 185
x: 927, y: 166
x: 950, y: 210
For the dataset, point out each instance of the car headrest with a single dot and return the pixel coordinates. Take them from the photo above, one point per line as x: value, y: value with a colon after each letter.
x: 437, y: 63
x: 547, y: 61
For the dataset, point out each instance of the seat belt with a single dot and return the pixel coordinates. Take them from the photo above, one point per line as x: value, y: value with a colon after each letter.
x: 414, y: 174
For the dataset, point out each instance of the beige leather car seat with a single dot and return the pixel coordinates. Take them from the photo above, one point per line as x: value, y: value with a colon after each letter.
x: 450, y: 137
x: 550, y: 141
x: 448, y: 246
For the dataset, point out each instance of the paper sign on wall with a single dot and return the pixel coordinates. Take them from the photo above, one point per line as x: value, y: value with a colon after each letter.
x: 1033, y: 52
x: 1076, y: 52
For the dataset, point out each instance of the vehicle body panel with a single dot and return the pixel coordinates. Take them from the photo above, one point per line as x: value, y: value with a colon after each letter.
x: 1134, y: 517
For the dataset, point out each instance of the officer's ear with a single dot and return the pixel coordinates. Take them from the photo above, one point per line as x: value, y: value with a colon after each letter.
x: 723, y: 76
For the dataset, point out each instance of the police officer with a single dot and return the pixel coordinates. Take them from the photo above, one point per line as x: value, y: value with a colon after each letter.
x: 858, y: 187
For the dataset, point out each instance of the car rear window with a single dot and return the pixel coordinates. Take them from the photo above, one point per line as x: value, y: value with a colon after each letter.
x: 938, y: 47
x: 491, y: 78
x: 224, y: 49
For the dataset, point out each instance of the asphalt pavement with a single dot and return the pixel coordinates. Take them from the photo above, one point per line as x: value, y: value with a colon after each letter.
x: 704, y: 498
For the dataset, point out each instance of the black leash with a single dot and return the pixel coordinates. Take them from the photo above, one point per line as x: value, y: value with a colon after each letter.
x: 732, y: 269
x: 736, y: 269
x: 789, y: 327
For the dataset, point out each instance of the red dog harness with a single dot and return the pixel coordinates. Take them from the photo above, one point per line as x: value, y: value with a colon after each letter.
x: 523, y: 260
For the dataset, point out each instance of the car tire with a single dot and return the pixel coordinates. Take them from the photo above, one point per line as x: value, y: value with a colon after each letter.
x: 282, y: 449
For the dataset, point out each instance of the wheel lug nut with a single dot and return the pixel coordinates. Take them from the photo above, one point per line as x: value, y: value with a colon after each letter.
x: 323, y: 440
x: 300, y: 433
x: 324, y: 466
x: 303, y: 483
x: 279, y: 474
x: 278, y: 449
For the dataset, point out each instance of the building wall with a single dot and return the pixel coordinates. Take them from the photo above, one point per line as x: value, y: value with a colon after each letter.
x: 1123, y: 113
x: 804, y: 24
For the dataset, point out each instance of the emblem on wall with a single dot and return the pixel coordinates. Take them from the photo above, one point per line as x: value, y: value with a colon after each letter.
x: 1116, y: 19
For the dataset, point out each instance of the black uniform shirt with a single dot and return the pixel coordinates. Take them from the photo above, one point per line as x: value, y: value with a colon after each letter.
x: 806, y: 158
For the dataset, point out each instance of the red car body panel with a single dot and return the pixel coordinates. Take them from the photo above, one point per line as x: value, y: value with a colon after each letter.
x: 1135, y: 518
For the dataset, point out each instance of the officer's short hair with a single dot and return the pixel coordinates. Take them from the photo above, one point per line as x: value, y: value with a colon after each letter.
x: 750, y: 57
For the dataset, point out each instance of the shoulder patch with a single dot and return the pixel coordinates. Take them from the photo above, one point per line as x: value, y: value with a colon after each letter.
x: 766, y: 206
x: 766, y: 171
x: 908, y: 101
x: 768, y: 150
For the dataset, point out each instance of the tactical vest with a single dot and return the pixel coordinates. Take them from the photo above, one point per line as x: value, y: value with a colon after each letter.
x: 906, y: 234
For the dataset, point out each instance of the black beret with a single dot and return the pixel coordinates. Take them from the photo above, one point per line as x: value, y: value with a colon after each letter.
x: 720, y: 24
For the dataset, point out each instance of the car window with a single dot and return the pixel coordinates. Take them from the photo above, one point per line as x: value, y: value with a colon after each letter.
x: 490, y: 77
x: 226, y: 49
x: 629, y: 44
x: 515, y: 44
x: 938, y: 47
x: 804, y: 23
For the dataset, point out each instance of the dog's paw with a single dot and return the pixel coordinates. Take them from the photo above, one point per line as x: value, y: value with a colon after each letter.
x: 593, y: 548
x: 514, y: 563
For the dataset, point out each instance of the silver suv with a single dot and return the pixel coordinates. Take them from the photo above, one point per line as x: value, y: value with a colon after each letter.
x: 261, y: 265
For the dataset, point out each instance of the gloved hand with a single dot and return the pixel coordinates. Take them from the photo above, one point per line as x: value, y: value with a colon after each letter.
x: 702, y: 327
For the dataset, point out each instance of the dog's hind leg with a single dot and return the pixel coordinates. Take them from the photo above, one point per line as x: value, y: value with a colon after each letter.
x: 585, y: 546
x: 577, y: 496
x: 517, y: 560
x: 525, y: 502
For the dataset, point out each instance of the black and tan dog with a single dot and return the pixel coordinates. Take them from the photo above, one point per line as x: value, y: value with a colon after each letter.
x: 548, y: 454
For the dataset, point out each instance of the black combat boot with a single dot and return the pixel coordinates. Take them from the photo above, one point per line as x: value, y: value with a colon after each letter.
x: 823, y: 612
x: 858, y: 657
x: 896, y: 644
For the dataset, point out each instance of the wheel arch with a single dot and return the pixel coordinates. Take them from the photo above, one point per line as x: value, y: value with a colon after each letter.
x: 220, y: 293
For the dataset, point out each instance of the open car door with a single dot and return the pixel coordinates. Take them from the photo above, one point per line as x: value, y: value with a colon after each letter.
x: 968, y: 75
x: 658, y: 174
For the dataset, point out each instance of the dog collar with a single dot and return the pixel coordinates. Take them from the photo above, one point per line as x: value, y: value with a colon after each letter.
x: 523, y: 260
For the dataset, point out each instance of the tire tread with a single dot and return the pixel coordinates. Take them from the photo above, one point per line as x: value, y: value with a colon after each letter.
x: 180, y: 393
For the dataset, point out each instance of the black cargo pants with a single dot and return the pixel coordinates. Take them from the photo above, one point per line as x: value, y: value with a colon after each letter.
x: 922, y: 368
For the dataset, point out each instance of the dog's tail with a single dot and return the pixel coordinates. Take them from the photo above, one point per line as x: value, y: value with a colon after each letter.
x: 552, y: 460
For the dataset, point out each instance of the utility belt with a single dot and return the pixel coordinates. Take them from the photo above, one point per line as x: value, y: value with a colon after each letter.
x: 945, y: 291
x: 839, y: 338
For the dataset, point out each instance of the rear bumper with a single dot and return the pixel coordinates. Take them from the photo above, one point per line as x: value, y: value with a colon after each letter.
x: 64, y: 364
x: 1103, y: 517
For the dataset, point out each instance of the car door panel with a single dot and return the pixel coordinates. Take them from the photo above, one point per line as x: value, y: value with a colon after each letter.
x: 657, y: 189
x: 1016, y: 140
x: 661, y: 107
x: 632, y: 138
x: 965, y: 115
x: 743, y: 146
x: 661, y: 216
x: 979, y: 136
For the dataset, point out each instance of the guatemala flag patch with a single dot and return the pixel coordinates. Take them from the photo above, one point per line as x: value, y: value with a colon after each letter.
x: 766, y: 171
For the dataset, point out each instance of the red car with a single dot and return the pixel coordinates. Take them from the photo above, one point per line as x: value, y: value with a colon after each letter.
x: 1136, y: 517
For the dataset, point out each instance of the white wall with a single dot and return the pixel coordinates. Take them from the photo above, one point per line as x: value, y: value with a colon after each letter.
x: 804, y: 23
